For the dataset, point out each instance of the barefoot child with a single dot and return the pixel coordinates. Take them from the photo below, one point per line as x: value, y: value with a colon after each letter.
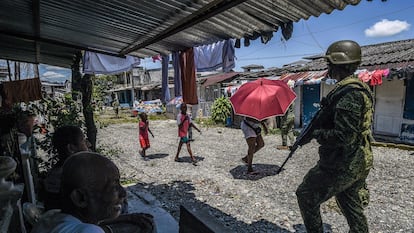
x: 143, y: 133
x: 184, y: 123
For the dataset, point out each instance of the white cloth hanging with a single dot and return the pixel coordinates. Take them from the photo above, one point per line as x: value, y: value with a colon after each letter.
x: 96, y: 63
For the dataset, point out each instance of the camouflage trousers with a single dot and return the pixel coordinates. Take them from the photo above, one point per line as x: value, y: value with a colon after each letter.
x: 287, y: 131
x: 350, y: 192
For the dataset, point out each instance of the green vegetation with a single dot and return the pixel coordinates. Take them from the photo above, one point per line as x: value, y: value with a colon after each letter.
x: 101, y: 84
x: 56, y: 112
x: 220, y: 110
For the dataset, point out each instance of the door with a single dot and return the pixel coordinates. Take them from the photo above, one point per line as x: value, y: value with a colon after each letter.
x: 389, y: 107
x: 310, y: 99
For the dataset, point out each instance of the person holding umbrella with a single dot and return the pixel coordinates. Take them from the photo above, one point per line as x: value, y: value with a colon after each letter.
x: 252, y: 133
x: 257, y: 101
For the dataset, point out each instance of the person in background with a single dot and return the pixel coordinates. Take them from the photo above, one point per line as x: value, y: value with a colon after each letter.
x: 91, y: 194
x: 343, y: 130
x: 66, y: 141
x: 115, y: 106
x: 190, y: 129
x: 287, y: 123
x: 252, y: 133
x: 184, y: 122
x: 143, y: 134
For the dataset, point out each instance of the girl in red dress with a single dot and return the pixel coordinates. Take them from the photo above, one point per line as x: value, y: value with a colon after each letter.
x: 143, y: 134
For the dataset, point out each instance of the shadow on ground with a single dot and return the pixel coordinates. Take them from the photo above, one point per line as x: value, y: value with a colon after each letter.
x: 178, y: 193
x: 157, y: 156
x: 187, y: 159
x: 300, y: 228
x: 240, y: 172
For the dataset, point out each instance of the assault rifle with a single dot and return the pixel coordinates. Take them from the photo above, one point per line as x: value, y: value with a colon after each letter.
x: 306, y: 134
x: 304, y: 137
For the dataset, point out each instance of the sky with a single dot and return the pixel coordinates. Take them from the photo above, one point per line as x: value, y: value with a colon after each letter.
x: 369, y: 22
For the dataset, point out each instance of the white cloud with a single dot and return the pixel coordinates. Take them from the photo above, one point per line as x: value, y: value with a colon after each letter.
x: 387, y: 28
x: 51, y: 74
x: 47, y: 67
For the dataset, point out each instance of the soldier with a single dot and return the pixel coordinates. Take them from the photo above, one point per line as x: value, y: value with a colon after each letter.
x: 343, y: 131
x: 287, y: 123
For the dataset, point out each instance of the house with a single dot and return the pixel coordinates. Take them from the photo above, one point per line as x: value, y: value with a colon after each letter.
x: 140, y: 84
x: 56, y: 89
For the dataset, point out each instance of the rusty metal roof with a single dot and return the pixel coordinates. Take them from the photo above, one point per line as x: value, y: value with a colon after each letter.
x: 218, y: 78
x: 51, y: 32
x: 307, y: 77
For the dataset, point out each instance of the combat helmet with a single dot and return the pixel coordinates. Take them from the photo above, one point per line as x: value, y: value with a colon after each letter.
x: 343, y: 52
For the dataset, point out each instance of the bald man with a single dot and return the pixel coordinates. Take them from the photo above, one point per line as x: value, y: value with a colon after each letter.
x: 91, y: 192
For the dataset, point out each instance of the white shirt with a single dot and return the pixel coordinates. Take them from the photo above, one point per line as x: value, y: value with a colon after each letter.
x: 64, y: 223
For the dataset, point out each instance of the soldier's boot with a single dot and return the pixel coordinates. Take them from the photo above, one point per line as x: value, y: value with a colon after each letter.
x: 281, y: 147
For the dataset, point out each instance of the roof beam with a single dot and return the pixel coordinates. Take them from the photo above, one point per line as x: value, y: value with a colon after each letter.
x: 57, y: 43
x: 210, y: 10
x: 36, y: 27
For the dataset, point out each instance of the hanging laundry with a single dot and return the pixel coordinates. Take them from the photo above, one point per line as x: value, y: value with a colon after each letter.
x: 24, y: 90
x: 177, y: 74
x: 246, y: 42
x: 376, y: 77
x: 266, y: 37
x: 156, y: 58
x: 248, y: 38
x: 254, y: 36
x: 287, y: 30
x: 237, y: 44
x: 96, y: 63
x: 164, y: 84
x: 364, y: 76
x: 209, y: 57
x: 228, y: 56
x: 188, y: 76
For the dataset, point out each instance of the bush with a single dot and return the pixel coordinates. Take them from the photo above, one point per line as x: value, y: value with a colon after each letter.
x: 220, y: 110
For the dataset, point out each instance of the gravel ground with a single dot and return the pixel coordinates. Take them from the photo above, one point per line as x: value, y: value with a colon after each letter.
x: 260, y: 203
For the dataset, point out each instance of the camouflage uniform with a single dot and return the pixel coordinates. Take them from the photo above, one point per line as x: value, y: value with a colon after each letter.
x: 345, y: 155
x: 287, y: 123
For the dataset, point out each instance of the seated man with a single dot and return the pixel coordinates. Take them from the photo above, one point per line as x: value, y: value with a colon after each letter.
x: 91, y: 192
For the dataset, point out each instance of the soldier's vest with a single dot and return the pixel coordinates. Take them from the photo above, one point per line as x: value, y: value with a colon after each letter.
x: 328, y: 104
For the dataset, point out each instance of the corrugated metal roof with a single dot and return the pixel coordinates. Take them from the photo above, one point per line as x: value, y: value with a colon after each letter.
x: 376, y: 56
x: 51, y: 32
x: 307, y: 78
x: 218, y: 78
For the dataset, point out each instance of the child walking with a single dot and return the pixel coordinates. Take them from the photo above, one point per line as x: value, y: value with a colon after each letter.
x: 184, y: 123
x: 143, y: 134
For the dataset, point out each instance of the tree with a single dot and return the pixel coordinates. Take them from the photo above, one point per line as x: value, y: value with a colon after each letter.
x: 86, y: 89
x: 84, y: 86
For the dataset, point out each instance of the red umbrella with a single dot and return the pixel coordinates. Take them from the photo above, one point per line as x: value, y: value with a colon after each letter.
x: 262, y: 98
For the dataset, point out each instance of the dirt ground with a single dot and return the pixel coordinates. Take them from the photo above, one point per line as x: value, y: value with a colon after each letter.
x: 244, y: 203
